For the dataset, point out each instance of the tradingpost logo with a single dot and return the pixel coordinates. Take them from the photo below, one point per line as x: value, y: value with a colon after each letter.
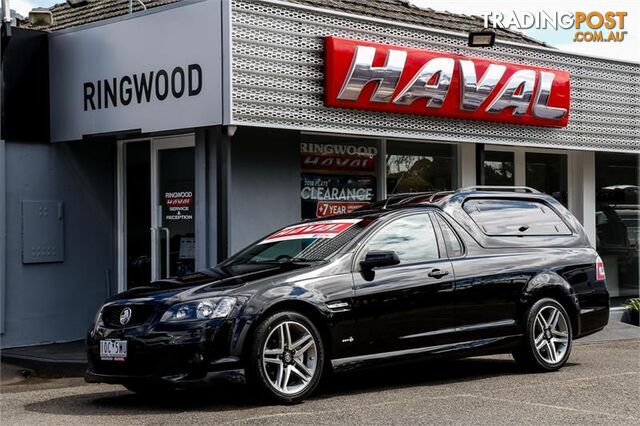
x: 590, y: 26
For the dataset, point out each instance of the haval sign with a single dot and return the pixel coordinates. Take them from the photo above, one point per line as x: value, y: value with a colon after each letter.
x: 380, y: 77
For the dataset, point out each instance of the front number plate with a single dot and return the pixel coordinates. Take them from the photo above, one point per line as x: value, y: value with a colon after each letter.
x: 113, y: 350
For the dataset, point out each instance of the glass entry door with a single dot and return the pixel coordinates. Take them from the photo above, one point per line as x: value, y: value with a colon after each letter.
x: 173, y: 207
x: 156, y: 210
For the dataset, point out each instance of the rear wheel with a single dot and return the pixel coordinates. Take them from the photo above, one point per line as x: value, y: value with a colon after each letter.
x: 548, y: 337
x: 286, y: 357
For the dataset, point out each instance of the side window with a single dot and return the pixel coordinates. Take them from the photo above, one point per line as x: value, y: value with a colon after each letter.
x: 504, y: 217
x: 411, y: 237
x: 451, y: 239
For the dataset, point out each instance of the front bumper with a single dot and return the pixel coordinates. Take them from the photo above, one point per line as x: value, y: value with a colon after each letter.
x: 178, y: 354
x: 226, y: 376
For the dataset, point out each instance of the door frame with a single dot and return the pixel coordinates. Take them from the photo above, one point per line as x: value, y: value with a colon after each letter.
x: 155, y: 144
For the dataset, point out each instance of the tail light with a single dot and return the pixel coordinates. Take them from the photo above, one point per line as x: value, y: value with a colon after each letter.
x: 600, y: 275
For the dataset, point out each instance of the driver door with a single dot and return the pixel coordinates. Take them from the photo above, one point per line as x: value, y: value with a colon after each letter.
x: 409, y: 305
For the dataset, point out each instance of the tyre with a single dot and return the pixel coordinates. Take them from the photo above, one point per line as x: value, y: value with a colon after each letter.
x: 548, y: 337
x: 285, y: 357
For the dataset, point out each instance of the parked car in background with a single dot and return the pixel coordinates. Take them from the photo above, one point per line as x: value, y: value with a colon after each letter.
x: 470, y: 272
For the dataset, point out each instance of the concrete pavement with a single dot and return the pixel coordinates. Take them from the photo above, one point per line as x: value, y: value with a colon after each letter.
x: 599, y: 385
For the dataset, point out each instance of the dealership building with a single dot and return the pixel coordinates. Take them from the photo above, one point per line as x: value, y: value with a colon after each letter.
x: 138, y: 146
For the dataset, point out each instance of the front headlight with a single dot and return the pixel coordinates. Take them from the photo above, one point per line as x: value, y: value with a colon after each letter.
x: 206, y: 309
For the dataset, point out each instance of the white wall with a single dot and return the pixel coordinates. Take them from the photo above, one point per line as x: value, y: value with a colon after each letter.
x: 467, y: 165
x: 582, y: 190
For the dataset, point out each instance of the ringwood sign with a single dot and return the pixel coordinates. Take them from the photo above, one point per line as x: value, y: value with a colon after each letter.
x: 143, y: 87
x: 108, y: 81
x: 379, y: 77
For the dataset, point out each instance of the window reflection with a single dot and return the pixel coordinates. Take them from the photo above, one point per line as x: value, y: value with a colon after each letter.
x: 618, y: 221
x: 548, y: 173
x: 499, y: 168
x: 412, y: 238
x: 454, y: 247
x: 420, y: 167
x: 515, y: 217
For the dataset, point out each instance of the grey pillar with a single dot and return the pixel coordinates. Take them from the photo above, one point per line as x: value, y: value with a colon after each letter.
x: 206, y: 197
x: 223, y: 168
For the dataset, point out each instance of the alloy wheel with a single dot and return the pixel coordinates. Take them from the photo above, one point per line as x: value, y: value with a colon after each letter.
x: 290, y: 357
x: 551, y: 334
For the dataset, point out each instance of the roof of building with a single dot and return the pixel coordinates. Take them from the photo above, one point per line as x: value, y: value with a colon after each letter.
x: 404, y: 11
x: 65, y: 16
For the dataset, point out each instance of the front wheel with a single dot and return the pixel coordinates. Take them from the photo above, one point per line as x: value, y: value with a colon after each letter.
x: 286, y: 357
x: 548, y: 337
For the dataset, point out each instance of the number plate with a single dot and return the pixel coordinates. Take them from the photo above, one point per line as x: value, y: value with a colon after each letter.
x: 113, y: 350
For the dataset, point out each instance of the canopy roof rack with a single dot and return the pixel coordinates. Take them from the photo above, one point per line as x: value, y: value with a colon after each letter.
x: 403, y: 198
x: 410, y: 198
x: 499, y: 188
x: 433, y: 196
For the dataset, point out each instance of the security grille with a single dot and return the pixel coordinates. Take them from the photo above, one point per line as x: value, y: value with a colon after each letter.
x: 277, y: 78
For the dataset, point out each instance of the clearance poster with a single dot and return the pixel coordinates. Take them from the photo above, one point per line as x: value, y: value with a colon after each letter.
x: 336, y: 178
x: 328, y: 195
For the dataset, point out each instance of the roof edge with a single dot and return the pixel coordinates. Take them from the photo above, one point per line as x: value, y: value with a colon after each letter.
x: 285, y: 3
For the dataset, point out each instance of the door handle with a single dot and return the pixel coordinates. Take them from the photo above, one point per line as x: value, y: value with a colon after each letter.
x: 155, y: 243
x: 437, y: 273
x: 167, y: 251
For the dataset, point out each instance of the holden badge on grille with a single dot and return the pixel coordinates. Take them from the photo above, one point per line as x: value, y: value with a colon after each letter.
x: 125, y: 316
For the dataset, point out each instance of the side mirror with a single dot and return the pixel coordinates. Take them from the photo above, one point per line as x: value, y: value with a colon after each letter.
x: 378, y: 259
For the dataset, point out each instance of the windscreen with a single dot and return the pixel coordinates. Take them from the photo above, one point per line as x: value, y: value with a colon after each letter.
x: 306, y: 242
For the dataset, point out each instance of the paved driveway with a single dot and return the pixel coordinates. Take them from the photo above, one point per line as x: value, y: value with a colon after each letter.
x: 600, y: 384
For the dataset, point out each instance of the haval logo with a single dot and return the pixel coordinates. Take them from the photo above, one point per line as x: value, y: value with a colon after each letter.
x: 385, y: 78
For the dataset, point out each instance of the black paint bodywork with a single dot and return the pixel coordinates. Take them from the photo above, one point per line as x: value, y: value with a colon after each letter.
x: 402, y: 313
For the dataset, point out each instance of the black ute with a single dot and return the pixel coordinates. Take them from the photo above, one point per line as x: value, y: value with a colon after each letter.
x: 476, y: 271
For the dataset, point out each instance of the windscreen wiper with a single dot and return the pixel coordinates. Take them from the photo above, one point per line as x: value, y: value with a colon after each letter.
x: 284, y: 261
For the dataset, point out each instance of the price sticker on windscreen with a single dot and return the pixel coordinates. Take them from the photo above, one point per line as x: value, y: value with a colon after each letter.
x: 322, y: 229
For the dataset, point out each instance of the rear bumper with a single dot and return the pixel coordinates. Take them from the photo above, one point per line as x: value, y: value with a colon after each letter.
x: 593, y: 320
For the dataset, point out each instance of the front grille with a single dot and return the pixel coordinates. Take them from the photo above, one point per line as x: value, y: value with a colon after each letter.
x: 140, y: 314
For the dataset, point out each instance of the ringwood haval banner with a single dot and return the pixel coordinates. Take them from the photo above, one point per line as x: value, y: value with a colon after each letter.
x: 387, y: 78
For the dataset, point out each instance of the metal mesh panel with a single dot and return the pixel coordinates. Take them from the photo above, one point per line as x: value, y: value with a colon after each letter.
x: 277, y: 77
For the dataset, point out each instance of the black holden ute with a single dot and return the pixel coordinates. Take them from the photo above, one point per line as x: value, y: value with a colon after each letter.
x: 472, y: 272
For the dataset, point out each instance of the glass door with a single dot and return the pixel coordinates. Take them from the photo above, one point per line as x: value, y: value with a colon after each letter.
x: 135, y: 214
x: 499, y: 168
x: 548, y: 173
x: 156, y: 218
x: 543, y: 170
x: 173, y: 207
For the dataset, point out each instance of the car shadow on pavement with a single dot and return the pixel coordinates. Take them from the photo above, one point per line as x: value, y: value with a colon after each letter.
x: 234, y: 396
x: 421, y: 373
